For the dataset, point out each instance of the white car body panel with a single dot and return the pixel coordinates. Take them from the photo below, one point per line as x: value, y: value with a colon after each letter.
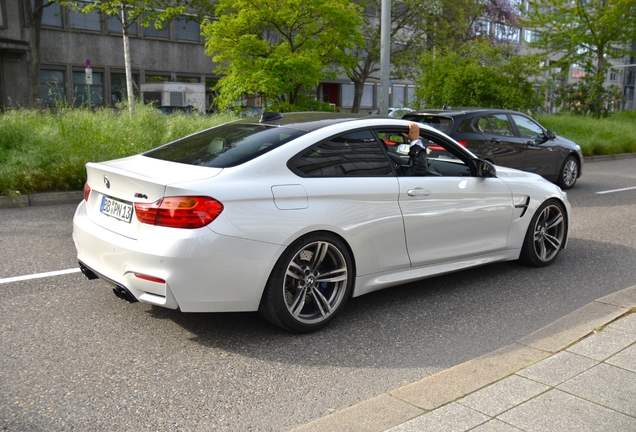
x: 225, y: 266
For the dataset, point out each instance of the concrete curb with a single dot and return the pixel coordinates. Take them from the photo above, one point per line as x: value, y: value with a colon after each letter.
x: 405, y: 403
x: 42, y: 199
x: 602, y: 158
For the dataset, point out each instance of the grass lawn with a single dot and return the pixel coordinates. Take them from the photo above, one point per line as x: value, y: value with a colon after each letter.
x: 43, y: 151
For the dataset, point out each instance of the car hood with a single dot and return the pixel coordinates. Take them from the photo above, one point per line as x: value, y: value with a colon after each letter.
x: 566, y: 142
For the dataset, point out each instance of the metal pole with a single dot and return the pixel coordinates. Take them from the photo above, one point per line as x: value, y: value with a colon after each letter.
x: 385, y: 56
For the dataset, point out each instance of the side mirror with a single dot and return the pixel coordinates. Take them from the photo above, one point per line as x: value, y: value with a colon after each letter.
x: 550, y: 135
x: 485, y: 168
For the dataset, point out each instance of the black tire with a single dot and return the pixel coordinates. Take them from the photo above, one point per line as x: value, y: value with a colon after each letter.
x: 310, y: 283
x: 546, y: 235
x: 569, y: 172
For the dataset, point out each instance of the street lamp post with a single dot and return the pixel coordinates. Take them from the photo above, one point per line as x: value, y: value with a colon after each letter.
x: 385, y: 56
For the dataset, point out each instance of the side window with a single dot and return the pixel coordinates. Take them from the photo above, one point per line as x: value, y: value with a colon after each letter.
x: 470, y: 125
x: 443, y: 159
x: 501, y: 125
x: 356, y: 154
x: 484, y: 126
x: 527, y: 128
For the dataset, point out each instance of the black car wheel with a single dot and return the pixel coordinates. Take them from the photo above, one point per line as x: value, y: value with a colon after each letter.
x: 569, y: 172
x: 310, y: 283
x: 545, y: 236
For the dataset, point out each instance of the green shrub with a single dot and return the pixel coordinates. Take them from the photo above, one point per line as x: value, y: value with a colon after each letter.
x: 613, y: 135
x: 47, y: 151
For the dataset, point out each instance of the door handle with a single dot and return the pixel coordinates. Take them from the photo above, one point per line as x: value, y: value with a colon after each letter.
x: 418, y: 192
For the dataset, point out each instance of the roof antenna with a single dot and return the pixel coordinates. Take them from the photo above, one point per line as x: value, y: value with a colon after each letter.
x: 270, y: 116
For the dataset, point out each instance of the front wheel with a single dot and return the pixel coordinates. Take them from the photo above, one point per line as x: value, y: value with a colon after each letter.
x: 545, y: 236
x: 569, y: 172
x: 310, y: 283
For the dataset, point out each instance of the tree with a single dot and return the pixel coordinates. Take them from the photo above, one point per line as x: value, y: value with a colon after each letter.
x: 34, y: 10
x: 585, y: 32
x: 480, y: 73
x: 130, y: 12
x: 407, y: 37
x: 279, y: 48
x: 416, y: 26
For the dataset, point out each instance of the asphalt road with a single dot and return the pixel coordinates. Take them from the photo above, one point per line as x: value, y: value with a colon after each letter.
x: 74, y: 357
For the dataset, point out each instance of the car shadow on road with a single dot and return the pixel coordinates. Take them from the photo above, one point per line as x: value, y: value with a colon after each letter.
x: 459, y: 316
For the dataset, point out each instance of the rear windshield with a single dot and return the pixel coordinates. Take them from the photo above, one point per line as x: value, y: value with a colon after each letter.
x: 225, y: 146
x: 443, y: 124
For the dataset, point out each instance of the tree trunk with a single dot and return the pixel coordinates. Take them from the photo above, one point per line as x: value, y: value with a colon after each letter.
x: 129, y: 79
x: 34, y: 17
x: 358, y: 90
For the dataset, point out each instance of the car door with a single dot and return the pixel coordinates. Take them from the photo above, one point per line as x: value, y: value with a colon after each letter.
x: 453, y: 214
x: 501, y: 144
x: 350, y: 184
x: 541, y: 156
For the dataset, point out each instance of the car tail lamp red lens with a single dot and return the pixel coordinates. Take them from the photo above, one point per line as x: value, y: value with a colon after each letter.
x: 149, y: 278
x: 179, y: 212
x: 87, y: 191
x: 463, y: 143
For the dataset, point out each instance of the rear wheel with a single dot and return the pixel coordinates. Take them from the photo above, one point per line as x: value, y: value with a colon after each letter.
x: 310, y: 283
x: 569, y: 172
x: 545, y: 235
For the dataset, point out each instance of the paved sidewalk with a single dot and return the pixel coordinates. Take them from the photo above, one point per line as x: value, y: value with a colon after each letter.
x: 577, y: 374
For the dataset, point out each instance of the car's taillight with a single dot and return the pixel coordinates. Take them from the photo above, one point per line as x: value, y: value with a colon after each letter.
x: 150, y: 278
x: 179, y: 212
x: 463, y: 143
x: 87, y: 191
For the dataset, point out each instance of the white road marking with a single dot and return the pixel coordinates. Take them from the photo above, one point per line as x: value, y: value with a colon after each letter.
x: 616, y: 190
x: 39, y: 275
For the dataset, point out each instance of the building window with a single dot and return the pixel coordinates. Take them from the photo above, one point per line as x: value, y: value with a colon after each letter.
x: 118, y: 92
x: 2, y: 14
x: 398, y: 96
x: 481, y: 28
x: 85, y: 21
x: 157, y: 77
x: 577, y: 72
x: 114, y: 26
x: 188, y: 79
x: 52, y: 86
x: 507, y: 33
x: 163, y: 32
x: 367, y: 96
x: 530, y: 36
x: 52, y: 15
x: 348, y: 91
x: 83, y: 92
x: 613, y: 76
x: 186, y: 29
x: 411, y: 96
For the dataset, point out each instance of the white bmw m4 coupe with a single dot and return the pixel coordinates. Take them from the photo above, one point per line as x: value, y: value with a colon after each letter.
x: 292, y: 214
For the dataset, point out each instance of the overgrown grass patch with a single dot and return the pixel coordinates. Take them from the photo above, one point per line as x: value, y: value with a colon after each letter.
x: 613, y: 135
x: 44, y: 151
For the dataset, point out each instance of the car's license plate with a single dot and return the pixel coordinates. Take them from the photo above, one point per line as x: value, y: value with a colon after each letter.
x: 117, y: 209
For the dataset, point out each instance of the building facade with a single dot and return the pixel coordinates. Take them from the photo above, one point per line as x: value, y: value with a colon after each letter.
x: 72, y: 41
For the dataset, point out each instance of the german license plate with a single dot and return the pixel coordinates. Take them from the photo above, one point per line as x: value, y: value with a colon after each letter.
x: 117, y: 209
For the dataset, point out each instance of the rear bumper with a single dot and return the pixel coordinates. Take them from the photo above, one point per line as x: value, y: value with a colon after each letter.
x: 203, y: 271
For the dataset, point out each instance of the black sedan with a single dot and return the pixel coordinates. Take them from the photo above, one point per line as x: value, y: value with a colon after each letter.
x: 508, y: 138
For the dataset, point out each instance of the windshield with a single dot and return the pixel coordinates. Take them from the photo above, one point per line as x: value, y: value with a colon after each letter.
x: 225, y: 146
